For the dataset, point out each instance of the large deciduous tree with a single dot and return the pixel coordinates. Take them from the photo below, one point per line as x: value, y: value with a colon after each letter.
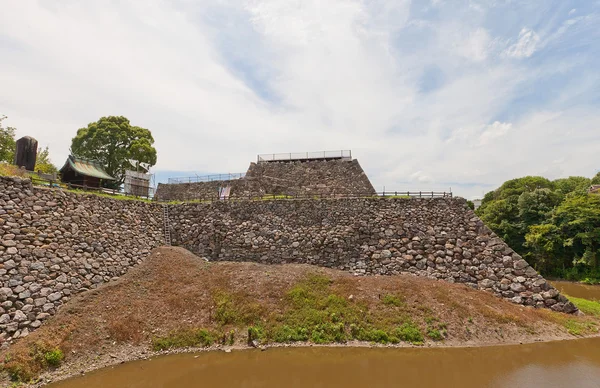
x: 113, y: 142
x: 7, y: 142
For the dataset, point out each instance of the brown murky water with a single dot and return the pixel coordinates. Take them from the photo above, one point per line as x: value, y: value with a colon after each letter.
x: 573, y: 364
x: 578, y: 290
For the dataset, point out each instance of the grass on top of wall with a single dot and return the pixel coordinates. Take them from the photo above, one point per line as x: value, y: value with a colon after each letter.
x: 12, y: 170
x: 590, y: 307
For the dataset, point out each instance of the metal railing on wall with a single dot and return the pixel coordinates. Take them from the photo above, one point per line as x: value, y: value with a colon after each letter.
x: 339, y: 154
x: 207, y: 178
x: 305, y: 196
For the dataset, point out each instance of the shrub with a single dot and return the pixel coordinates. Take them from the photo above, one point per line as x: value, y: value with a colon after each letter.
x: 54, y: 357
x: 409, y: 332
x: 285, y: 333
x: 435, y: 334
x: 255, y: 333
x: 371, y: 334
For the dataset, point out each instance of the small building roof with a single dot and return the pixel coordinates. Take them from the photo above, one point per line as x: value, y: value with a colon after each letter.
x: 86, y: 167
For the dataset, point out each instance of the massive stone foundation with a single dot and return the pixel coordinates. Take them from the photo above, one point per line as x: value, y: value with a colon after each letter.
x: 438, y: 238
x: 54, y: 244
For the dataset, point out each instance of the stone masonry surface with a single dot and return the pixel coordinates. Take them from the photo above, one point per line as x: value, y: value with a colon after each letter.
x: 313, y: 178
x: 438, y: 238
x: 54, y: 243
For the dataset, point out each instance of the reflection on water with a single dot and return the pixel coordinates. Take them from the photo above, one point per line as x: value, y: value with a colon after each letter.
x: 578, y: 290
x: 575, y: 375
x: 556, y: 364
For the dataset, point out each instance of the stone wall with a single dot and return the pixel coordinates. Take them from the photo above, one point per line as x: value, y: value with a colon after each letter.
x: 311, y: 178
x: 54, y: 244
x: 327, y: 178
x: 200, y: 190
x: 437, y: 238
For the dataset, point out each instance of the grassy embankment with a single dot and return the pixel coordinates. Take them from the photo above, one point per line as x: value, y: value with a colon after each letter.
x: 175, y: 300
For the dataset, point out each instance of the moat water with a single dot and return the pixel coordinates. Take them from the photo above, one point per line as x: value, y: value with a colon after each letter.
x: 551, y: 365
x: 578, y: 290
x: 573, y: 364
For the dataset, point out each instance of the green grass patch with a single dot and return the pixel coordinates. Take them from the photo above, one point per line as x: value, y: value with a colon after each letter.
x: 235, y: 309
x: 316, y: 312
x: 11, y: 170
x: 118, y: 197
x: 578, y: 327
x: 184, y: 338
x: 392, y: 300
x: 590, y: 307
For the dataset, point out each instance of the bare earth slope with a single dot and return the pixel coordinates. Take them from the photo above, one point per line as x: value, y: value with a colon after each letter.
x: 175, y: 299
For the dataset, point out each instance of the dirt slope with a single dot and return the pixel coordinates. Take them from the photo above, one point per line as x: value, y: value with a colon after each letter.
x: 167, y: 300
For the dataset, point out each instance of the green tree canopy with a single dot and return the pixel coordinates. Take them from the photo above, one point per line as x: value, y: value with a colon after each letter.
x: 7, y: 142
x: 113, y: 141
x: 572, y: 184
x: 555, y: 225
x: 502, y: 208
x: 596, y: 179
x: 578, y: 217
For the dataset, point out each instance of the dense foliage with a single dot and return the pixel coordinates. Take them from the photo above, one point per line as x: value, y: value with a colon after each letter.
x: 7, y: 142
x: 555, y: 225
x: 113, y: 142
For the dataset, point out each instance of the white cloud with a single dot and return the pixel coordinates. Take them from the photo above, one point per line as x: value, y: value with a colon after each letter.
x: 421, y: 177
x: 476, y: 45
x: 525, y: 46
x: 492, y: 132
x: 218, y: 82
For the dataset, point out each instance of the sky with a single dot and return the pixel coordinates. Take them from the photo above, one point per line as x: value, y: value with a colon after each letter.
x: 428, y: 95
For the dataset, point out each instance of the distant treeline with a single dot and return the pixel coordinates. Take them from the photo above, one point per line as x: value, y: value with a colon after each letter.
x: 554, y: 225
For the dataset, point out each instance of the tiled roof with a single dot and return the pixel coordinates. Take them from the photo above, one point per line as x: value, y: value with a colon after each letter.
x: 86, y: 167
